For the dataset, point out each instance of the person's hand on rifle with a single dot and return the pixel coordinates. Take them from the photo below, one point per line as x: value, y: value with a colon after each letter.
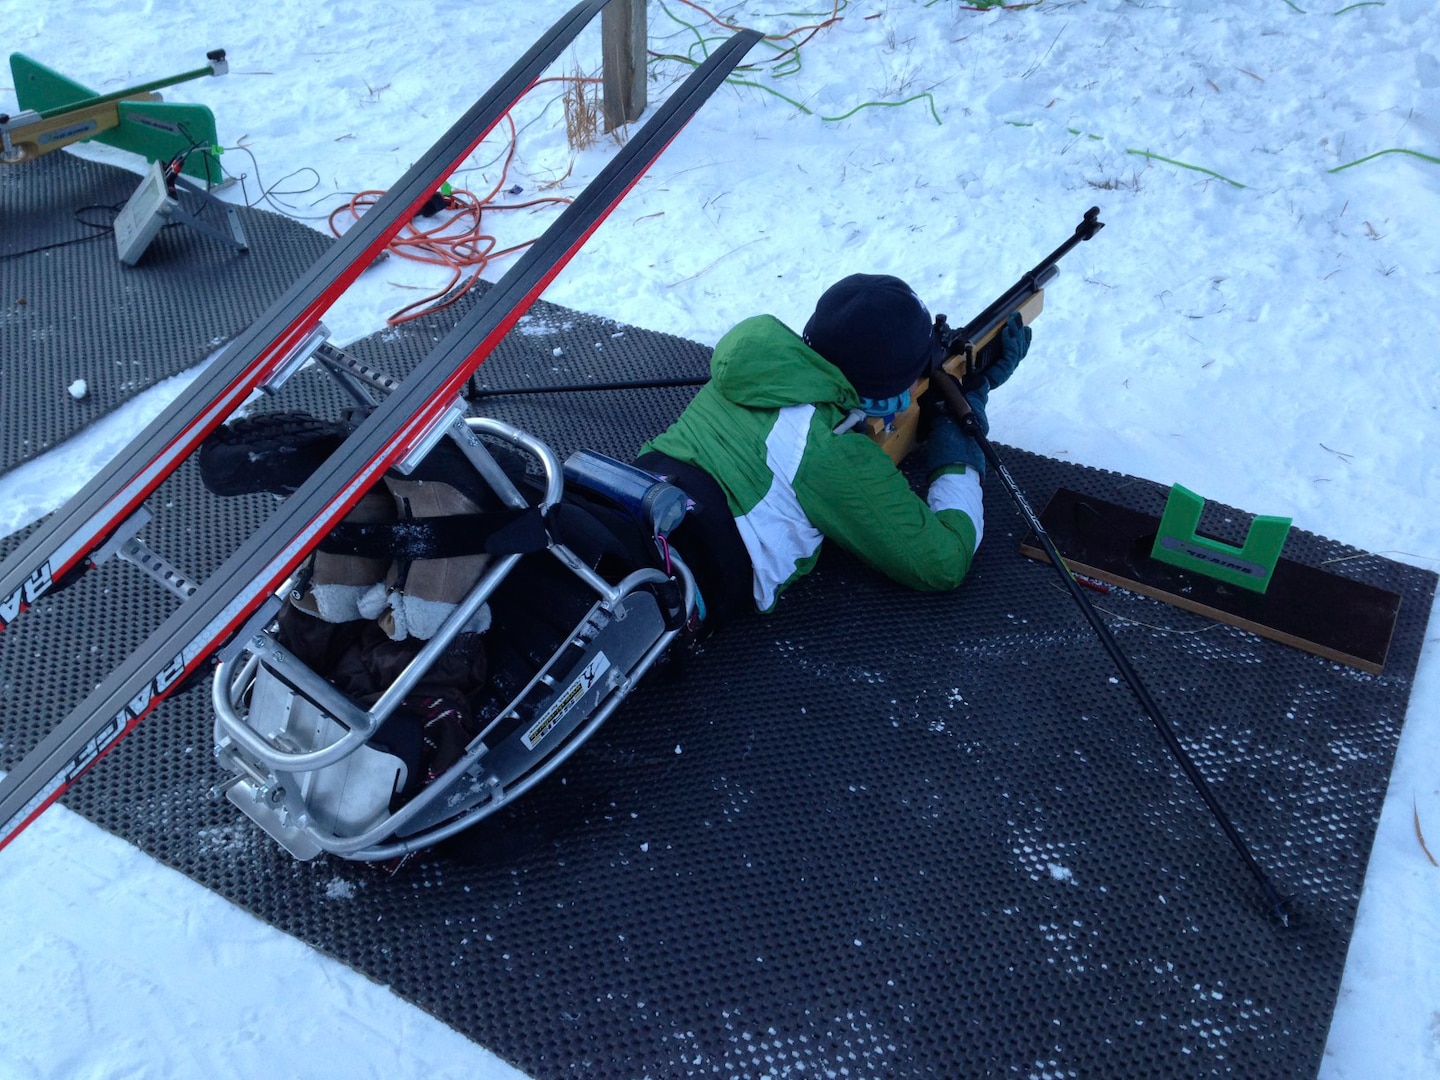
x: 1003, y: 353
x: 947, y: 444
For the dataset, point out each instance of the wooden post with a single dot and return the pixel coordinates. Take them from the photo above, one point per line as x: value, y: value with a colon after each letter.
x: 624, y: 35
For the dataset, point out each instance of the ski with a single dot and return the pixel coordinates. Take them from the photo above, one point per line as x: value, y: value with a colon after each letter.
x: 401, y: 426
x: 63, y: 547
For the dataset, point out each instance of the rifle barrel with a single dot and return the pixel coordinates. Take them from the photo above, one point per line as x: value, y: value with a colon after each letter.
x: 1012, y: 298
x: 130, y: 91
x: 1029, y: 284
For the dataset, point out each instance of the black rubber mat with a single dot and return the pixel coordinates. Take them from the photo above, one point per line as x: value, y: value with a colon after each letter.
x: 875, y: 834
x: 69, y: 310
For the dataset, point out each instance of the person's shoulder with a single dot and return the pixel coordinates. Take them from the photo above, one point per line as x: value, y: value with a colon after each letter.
x: 764, y: 329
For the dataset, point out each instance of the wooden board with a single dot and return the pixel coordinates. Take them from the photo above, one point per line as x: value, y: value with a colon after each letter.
x: 1311, y: 609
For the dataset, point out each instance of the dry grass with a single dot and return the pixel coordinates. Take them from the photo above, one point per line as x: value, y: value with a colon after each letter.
x: 582, y: 112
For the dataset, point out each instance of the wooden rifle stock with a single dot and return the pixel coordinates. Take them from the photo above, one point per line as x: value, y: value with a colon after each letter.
x: 962, y: 347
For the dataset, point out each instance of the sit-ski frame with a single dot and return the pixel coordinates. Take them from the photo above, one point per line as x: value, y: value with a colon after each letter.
x: 298, y: 748
x: 281, y: 781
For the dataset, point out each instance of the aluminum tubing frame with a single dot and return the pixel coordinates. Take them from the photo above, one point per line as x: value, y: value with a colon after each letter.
x: 230, y: 684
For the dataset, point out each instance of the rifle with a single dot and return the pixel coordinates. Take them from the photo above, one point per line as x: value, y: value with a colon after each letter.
x: 962, y: 351
x: 56, y: 111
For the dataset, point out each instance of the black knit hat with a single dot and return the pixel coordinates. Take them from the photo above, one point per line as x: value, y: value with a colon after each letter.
x: 875, y: 330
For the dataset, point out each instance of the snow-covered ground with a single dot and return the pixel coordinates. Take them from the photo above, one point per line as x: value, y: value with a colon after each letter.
x: 1258, y: 321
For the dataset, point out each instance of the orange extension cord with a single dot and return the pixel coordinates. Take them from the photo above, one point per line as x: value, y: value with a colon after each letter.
x: 456, y: 241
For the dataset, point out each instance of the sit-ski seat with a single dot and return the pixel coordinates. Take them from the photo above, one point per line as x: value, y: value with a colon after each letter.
x: 316, y: 770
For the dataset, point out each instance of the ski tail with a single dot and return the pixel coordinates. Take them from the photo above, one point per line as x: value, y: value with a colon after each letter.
x: 398, y: 425
x: 60, y: 549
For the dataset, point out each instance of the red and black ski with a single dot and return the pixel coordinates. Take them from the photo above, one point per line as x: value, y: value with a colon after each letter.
x: 400, y: 424
x: 68, y: 540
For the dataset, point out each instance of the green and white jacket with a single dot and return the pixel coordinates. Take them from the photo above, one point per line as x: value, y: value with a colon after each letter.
x: 763, y: 427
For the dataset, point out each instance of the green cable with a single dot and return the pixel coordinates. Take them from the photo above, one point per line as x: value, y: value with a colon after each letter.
x: 1138, y: 153
x: 737, y: 81
x: 790, y: 68
x: 890, y: 105
x: 1348, y: 7
x: 1180, y: 164
x: 699, y: 38
x: 1209, y: 172
x: 990, y: 5
x: 1382, y: 153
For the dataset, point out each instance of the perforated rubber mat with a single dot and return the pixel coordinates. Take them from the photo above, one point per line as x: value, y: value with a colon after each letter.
x: 876, y: 834
x: 69, y: 310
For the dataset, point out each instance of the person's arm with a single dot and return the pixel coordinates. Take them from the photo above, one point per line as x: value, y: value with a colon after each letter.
x: 868, y: 507
x: 856, y: 497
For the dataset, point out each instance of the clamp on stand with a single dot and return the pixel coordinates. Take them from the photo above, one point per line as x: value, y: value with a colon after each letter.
x: 163, y: 197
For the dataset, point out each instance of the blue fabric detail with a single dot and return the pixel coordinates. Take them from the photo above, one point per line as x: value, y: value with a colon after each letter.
x: 885, y: 406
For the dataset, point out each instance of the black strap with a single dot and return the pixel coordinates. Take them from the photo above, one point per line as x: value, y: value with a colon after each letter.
x: 497, y: 532
x: 709, y: 541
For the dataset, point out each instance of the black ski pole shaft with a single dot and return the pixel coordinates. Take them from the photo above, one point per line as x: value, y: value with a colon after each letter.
x: 578, y: 388
x: 950, y: 389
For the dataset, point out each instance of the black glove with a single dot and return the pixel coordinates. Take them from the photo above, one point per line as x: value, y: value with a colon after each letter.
x: 946, y: 442
x: 1003, y: 353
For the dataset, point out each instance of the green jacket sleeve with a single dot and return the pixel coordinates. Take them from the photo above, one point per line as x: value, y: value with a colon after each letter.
x: 855, y: 495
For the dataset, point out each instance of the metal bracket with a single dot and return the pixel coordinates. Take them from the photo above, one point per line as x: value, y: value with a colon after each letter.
x: 125, y: 542
x: 486, y: 465
x: 354, y: 376
x: 252, y: 628
x: 136, y: 553
x: 197, y: 206
x: 455, y: 415
x: 9, y: 152
x: 309, y: 345
x: 126, y: 531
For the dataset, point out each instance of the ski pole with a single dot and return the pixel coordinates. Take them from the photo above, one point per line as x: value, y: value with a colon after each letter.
x: 474, y: 393
x: 954, y: 398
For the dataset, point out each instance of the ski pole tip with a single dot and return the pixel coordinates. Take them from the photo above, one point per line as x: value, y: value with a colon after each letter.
x: 1285, y: 910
